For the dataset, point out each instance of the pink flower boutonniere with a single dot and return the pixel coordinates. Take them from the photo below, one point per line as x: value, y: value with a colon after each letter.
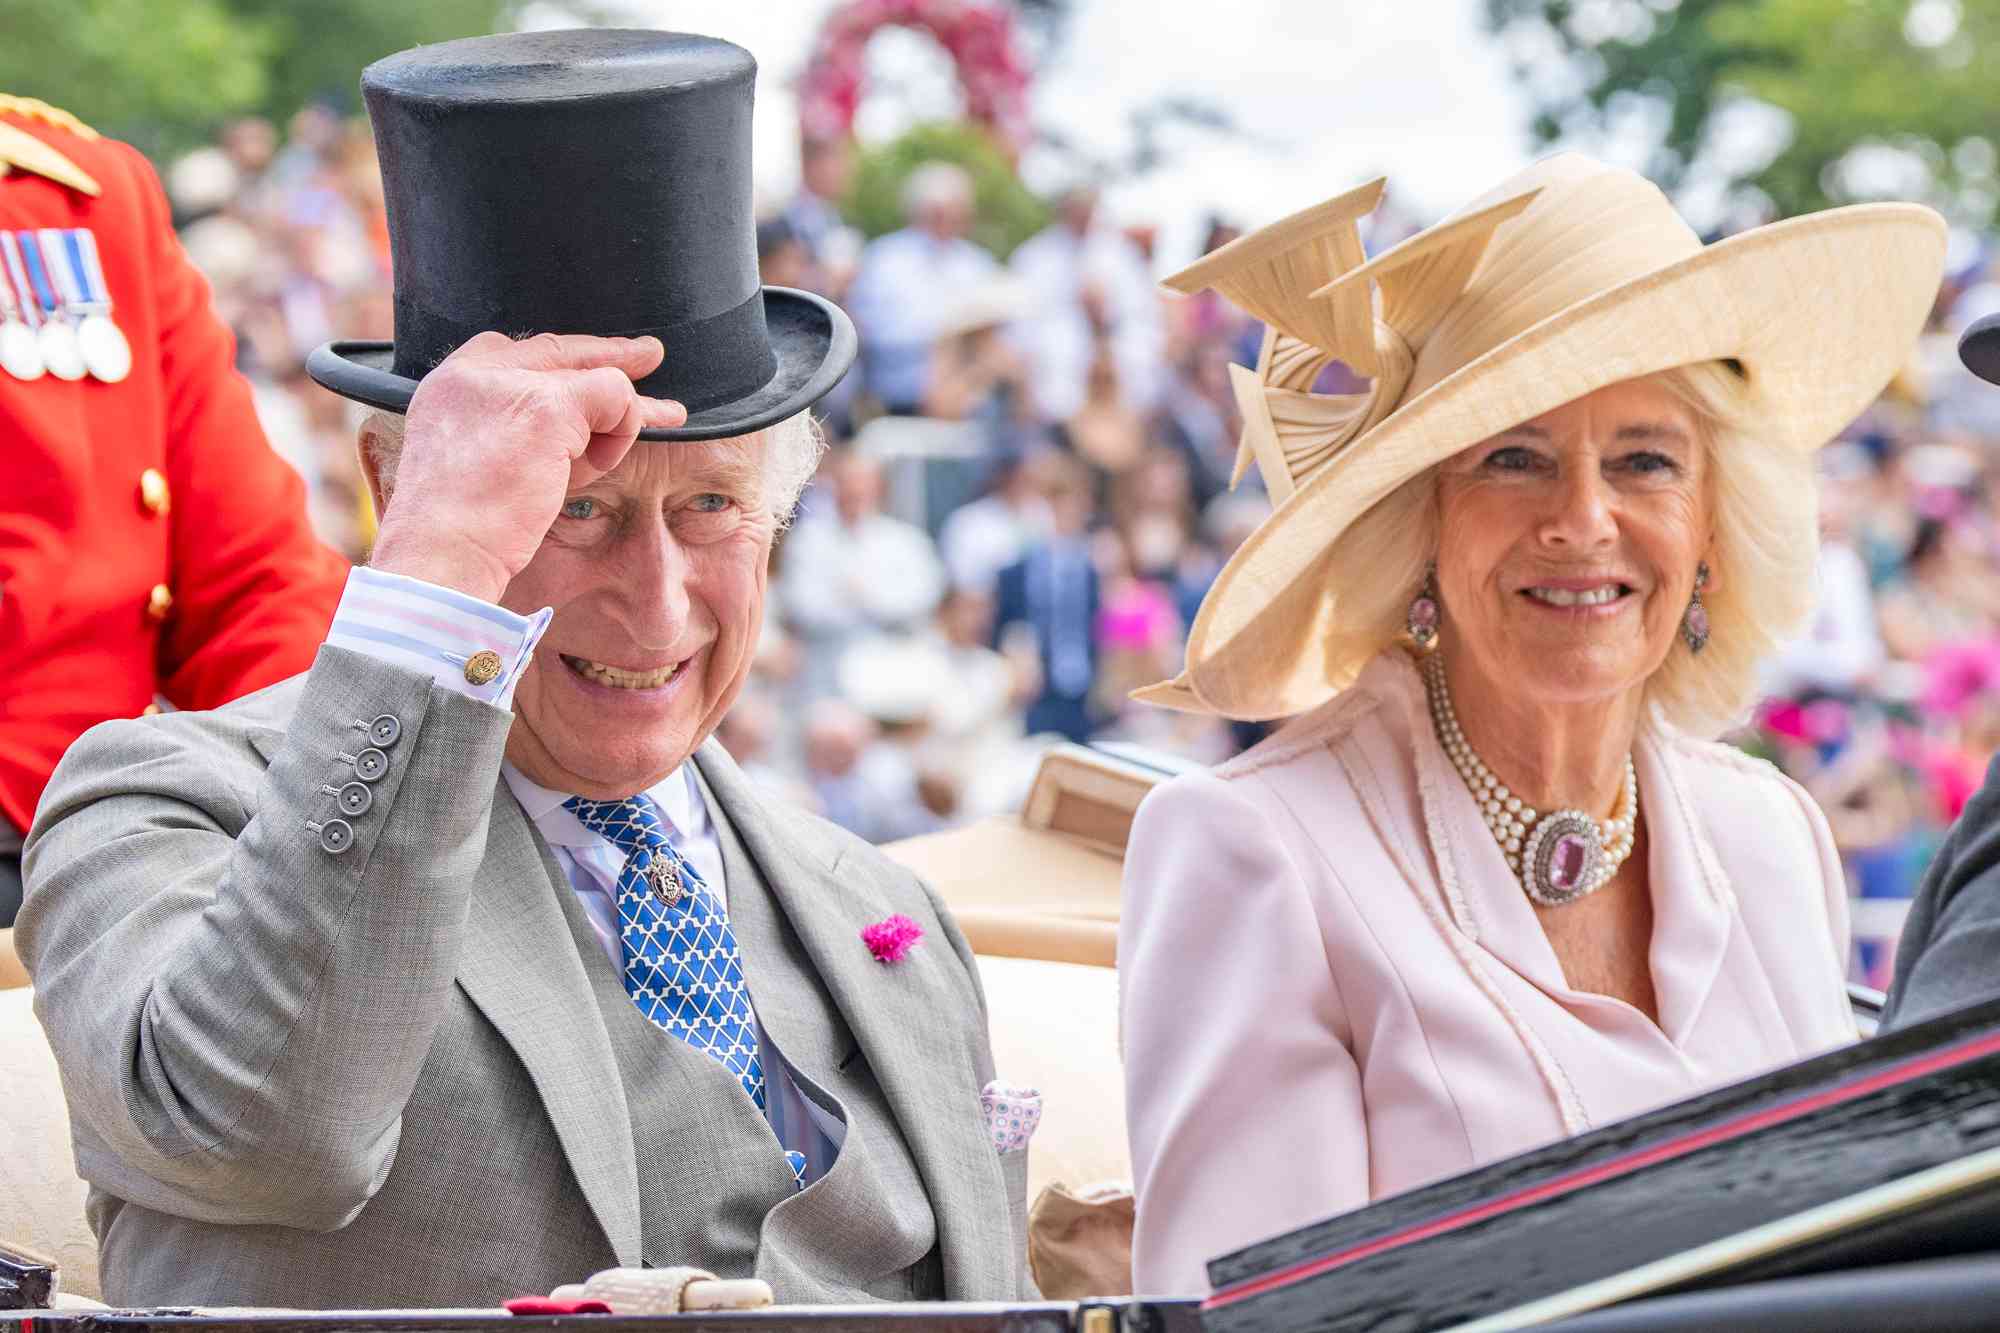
x: 891, y: 940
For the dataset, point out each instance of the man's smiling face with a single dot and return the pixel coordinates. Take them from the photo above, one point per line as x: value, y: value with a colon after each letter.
x: 656, y: 573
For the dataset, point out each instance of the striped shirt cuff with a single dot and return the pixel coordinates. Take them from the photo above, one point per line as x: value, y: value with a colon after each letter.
x: 419, y: 625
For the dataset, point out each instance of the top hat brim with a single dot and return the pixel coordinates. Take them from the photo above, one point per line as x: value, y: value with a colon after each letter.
x: 812, y: 338
x: 1819, y: 312
x: 1980, y: 349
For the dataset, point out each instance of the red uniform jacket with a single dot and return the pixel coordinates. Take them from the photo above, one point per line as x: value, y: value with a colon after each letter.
x: 108, y: 595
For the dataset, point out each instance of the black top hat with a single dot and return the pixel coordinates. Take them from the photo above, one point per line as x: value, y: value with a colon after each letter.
x: 1980, y: 349
x: 595, y: 181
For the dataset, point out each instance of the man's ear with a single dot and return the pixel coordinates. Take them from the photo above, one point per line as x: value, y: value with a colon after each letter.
x: 370, y: 448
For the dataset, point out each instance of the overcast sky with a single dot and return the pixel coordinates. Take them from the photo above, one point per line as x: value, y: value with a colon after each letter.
x: 1334, y: 91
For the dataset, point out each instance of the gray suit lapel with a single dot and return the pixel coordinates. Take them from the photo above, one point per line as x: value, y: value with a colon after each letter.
x: 869, y: 1218
x: 522, y: 969
x: 932, y: 1086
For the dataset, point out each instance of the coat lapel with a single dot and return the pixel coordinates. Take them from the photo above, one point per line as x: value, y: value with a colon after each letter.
x: 932, y: 1083
x: 869, y: 1217
x: 522, y: 970
x: 1693, y: 905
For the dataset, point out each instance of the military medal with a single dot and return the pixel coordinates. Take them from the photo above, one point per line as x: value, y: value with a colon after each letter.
x: 56, y: 338
x: 106, y: 353
x: 20, y: 354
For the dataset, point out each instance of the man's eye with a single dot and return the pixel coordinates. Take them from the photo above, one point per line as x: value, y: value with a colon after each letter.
x: 711, y: 503
x: 581, y: 507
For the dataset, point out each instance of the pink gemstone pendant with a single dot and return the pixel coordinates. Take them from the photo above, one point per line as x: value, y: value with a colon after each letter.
x: 1694, y: 627
x: 1423, y: 621
x: 1563, y: 859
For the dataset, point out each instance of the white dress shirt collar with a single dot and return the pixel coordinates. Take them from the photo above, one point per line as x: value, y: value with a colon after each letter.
x: 674, y: 796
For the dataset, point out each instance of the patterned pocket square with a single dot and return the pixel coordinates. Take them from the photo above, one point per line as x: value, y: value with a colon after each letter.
x: 1011, y: 1115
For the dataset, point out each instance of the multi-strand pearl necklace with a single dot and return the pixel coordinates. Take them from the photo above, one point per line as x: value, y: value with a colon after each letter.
x: 1558, y: 857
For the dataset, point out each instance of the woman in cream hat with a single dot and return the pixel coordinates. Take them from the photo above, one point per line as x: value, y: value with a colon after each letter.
x: 1494, y: 883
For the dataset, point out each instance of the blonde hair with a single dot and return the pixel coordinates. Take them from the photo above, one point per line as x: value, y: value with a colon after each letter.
x: 1764, y: 507
x: 792, y: 450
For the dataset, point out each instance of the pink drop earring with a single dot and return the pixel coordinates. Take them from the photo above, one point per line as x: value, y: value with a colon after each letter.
x: 1422, y: 619
x: 1694, y: 622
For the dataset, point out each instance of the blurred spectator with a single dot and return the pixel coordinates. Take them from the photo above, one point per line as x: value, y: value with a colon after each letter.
x: 905, y: 281
x: 826, y: 167
x: 1945, y: 594
x: 782, y: 258
x: 1199, y: 418
x: 994, y: 531
x: 974, y: 374
x: 866, y: 776
x: 1841, y: 651
x: 851, y: 570
x: 1106, y: 430
x: 1046, y: 604
x: 1093, y: 313
x: 251, y: 143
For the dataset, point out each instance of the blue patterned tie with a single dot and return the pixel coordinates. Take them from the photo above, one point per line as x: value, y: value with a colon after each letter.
x: 681, y: 964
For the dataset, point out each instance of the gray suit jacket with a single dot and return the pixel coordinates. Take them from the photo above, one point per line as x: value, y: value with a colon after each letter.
x: 404, y: 1074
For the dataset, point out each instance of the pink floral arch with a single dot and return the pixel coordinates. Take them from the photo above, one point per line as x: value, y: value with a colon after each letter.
x: 979, y: 37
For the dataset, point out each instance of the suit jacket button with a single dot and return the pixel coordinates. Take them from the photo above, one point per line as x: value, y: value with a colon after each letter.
x: 355, y: 798
x: 159, y: 601
x: 384, y: 730
x: 370, y: 765
x: 336, y: 835
x: 153, y: 494
x: 482, y: 667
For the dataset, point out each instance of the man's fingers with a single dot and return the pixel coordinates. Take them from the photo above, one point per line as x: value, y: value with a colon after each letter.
x: 606, y: 449
x: 636, y: 357
x: 610, y: 410
x: 663, y: 413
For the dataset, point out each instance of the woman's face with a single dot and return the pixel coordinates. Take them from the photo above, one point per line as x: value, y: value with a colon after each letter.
x: 1568, y: 545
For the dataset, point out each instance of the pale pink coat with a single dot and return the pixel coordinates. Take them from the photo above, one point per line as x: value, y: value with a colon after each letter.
x: 1333, y: 989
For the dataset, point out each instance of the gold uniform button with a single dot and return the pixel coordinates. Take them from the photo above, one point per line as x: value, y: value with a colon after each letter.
x: 482, y: 667
x: 153, y: 491
x: 159, y: 601
x: 150, y: 710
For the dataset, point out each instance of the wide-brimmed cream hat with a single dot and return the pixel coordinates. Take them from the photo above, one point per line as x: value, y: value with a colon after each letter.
x: 1569, y: 277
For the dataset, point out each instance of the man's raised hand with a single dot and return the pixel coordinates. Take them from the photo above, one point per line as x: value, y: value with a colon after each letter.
x: 497, y: 435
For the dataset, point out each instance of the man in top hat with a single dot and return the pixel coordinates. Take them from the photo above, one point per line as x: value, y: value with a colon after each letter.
x: 151, y: 543
x: 464, y: 965
x: 1949, y: 956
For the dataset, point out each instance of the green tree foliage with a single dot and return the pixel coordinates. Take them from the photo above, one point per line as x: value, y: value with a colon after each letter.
x: 1906, y: 91
x: 165, y: 73
x: 1008, y: 212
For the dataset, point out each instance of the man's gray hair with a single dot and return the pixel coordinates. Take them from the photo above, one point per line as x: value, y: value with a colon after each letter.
x: 792, y: 450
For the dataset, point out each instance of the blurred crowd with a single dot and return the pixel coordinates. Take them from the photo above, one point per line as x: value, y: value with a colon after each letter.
x: 1028, y: 492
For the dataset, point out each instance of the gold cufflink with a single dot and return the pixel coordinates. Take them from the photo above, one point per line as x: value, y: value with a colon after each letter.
x: 153, y: 491
x: 482, y: 667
